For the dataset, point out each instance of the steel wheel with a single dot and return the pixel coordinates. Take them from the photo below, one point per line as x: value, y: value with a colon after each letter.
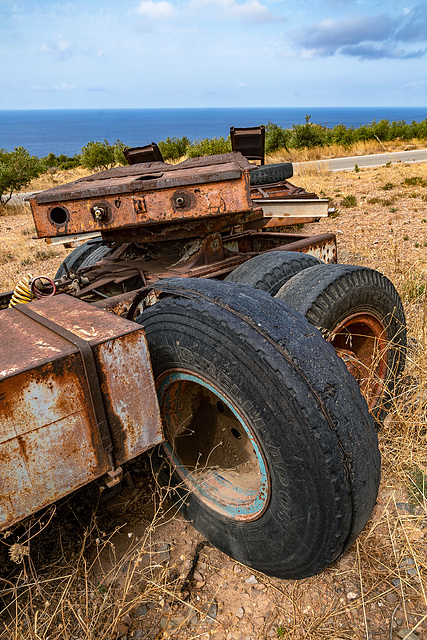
x: 212, y: 447
x: 359, y: 312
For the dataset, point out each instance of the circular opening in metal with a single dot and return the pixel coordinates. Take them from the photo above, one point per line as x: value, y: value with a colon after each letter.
x: 360, y: 340
x: 212, y: 447
x: 58, y: 215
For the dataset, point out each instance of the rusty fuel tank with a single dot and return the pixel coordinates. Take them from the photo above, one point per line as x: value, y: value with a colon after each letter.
x: 77, y: 399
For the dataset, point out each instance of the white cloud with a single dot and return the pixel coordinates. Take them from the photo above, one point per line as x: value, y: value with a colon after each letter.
x: 249, y: 11
x: 161, y: 10
x: 59, y: 48
x: 63, y: 87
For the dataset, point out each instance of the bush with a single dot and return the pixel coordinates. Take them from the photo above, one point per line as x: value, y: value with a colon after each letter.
x: 51, y: 161
x: 102, y: 155
x: 174, y: 148
x: 349, y: 201
x: 17, y: 169
x: 209, y: 147
x: 276, y: 137
x: 308, y: 135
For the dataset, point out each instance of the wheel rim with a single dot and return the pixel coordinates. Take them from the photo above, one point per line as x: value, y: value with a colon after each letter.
x: 211, y: 446
x: 360, y: 340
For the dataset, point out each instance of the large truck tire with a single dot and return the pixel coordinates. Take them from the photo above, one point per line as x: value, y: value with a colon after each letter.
x: 269, y: 447
x: 360, y: 313
x: 271, y: 270
x: 83, y: 256
x: 271, y: 173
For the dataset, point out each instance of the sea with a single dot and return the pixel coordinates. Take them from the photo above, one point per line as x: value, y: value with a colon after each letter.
x: 66, y: 131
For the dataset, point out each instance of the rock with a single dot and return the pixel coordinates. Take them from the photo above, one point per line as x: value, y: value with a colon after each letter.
x: 251, y: 580
x: 396, y: 582
x: 127, y: 620
x: 237, y: 568
x: 198, y: 576
x: 169, y: 625
x: 138, y: 634
x: 391, y: 597
x: 142, y: 611
x: 407, y: 634
x: 163, y: 554
x: 406, y: 563
x: 121, y: 630
x: 351, y: 595
x: 211, y: 609
x: 240, y: 612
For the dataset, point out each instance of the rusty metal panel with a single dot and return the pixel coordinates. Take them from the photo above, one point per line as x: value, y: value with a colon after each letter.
x: 121, y: 199
x: 49, y: 444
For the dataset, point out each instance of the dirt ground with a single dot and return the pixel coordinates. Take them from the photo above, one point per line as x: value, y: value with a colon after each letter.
x: 376, y: 591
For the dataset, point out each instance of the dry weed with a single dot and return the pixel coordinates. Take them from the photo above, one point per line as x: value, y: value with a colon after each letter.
x: 78, y: 584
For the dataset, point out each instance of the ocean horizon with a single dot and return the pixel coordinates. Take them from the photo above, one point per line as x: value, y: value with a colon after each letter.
x: 66, y: 131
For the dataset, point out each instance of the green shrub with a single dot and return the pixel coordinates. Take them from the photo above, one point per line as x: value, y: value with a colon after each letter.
x: 51, y: 161
x: 17, y: 169
x: 417, y: 485
x: 209, y: 147
x: 102, y: 155
x: 349, y: 201
x: 276, y: 137
x: 307, y: 135
x: 174, y: 148
x: 415, y: 181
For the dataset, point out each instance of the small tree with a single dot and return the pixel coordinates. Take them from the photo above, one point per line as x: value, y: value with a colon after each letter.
x: 102, y: 155
x: 17, y: 169
x: 174, y: 148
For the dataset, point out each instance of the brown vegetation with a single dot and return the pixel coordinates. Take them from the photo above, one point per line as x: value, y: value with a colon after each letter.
x: 88, y: 575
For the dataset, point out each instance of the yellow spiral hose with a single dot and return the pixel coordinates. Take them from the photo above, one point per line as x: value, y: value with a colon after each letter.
x: 22, y: 292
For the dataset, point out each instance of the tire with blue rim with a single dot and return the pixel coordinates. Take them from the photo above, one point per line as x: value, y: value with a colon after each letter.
x: 269, y: 447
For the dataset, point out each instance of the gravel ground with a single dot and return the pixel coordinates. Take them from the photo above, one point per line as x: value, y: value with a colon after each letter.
x: 377, y: 589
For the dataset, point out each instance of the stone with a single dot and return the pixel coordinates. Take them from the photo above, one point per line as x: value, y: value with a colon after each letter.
x: 211, y: 609
x: 121, y: 630
x: 240, y: 612
x: 392, y: 597
x: 237, y: 568
x: 407, y: 634
x: 198, y: 576
x: 351, y: 595
x: 162, y: 554
x: 142, y: 611
x: 251, y: 580
x: 406, y: 563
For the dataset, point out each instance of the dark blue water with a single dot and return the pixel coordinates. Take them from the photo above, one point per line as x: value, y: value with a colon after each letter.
x: 67, y: 131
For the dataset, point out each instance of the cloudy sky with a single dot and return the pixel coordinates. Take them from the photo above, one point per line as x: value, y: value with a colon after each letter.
x: 208, y: 53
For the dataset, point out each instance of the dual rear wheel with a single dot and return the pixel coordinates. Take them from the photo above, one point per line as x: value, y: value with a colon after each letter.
x: 269, y: 447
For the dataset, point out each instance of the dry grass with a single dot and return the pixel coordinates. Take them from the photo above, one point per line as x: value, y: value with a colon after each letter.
x: 376, y: 589
x: 361, y: 148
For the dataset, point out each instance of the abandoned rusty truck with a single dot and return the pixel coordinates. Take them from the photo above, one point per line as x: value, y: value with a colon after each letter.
x: 190, y: 323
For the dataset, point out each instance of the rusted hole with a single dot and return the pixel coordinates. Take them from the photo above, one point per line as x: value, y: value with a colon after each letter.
x: 236, y: 433
x: 58, y: 215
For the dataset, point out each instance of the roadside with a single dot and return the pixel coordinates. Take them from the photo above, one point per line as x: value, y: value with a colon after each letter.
x: 371, y: 160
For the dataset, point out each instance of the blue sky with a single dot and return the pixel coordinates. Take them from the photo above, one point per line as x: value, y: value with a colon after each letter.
x: 212, y: 53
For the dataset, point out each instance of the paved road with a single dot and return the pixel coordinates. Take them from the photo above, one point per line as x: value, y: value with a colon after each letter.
x: 374, y: 160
